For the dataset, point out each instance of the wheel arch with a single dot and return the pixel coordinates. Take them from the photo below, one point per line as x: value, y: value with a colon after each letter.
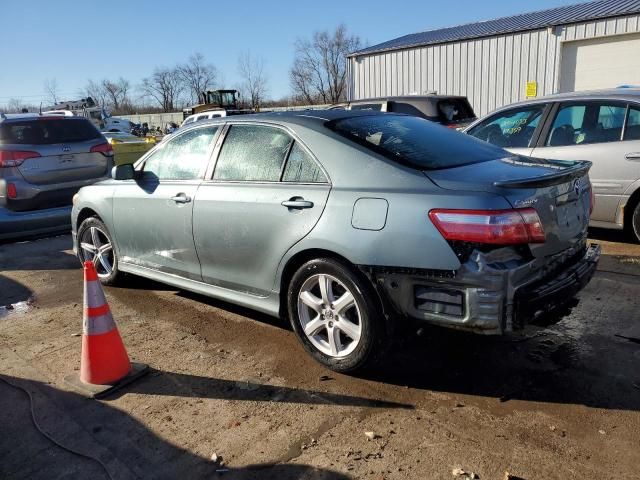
x: 300, y: 258
x: 629, y: 208
x: 85, y: 213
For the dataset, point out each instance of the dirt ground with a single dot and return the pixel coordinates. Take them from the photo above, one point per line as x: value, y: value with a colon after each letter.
x: 560, y: 402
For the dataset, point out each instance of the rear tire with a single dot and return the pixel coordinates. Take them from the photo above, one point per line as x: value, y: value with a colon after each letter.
x: 335, y: 315
x: 95, y: 244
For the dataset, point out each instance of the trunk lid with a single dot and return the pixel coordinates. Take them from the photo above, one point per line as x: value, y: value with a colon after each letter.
x: 63, y: 163
x: 558, y: 190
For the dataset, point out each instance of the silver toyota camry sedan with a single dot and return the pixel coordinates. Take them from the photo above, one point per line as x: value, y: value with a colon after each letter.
x: 347, y: 223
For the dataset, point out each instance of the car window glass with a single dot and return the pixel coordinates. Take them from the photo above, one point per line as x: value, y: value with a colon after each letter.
x: 302, y: 168
x: 367, y: 106
x: 582, y: 124
x: 414, y: 141
x: 48, y: 131
x: 252, y: 153
x: 632, y: 131
x: 511, y: 129
x: 184, y: 157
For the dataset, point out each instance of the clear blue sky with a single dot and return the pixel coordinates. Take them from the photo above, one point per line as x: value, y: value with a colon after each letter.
x: 73, y: 41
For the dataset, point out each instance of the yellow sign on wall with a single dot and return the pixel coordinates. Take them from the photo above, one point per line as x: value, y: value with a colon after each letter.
x: 532, y: 89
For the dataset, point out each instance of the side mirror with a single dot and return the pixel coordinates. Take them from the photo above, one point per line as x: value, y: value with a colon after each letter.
x: 123, y: 172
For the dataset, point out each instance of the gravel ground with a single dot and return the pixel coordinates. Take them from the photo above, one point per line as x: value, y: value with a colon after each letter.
x: 559, y: 402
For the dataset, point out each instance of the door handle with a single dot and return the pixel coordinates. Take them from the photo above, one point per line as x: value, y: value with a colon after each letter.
x: 632, y: 156
x: 297, y: 203
x: 181, y: 198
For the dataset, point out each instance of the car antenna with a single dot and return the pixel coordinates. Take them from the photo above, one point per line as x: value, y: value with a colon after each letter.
x: 40, y: 108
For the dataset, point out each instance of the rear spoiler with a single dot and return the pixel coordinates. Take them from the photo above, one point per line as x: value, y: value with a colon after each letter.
x: 567, y: 171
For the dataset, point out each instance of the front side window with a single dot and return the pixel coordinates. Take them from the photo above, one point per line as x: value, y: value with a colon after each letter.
x: 632, y: 130
x: 301, y: 168
x: 184, y: 157
x: 415, y: 142
x: 581, y: 124
x: 511, y: 129
x: 252, y: 153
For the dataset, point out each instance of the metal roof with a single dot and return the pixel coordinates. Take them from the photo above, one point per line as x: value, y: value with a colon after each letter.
x: 516, y: 23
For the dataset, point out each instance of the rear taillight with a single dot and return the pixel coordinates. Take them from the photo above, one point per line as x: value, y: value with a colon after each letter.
x: 498, y: 227
x: 103, y: 148
x: 12, y: 192
x: 14, y: 158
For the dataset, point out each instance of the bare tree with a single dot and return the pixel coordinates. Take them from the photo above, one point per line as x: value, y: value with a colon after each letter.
x: 116, y: 92
x: 254, y: 79
x: 197, y: 75
x: 96, y: 91
x: 319, y: 69
x: 14, y: 105
x: 164, y: 86
x: 51, y: 90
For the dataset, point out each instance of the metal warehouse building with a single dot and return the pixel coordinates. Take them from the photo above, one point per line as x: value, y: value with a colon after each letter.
x: 497, y: 62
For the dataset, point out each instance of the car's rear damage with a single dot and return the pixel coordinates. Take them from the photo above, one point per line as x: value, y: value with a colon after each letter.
x: 492, y: 292
x: 518, y: 266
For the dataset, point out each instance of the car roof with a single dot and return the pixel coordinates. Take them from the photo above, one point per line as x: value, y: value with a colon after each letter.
x: 313, y: 119
x: 431, y: 96
x: 620, y: 93
x: 9, y: 117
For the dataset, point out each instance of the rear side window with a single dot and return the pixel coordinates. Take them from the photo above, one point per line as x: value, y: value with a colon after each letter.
x: 301, y: 168
x: 414, y: 141
x: 632, y: 131
x: 510, y: 129
x: 252, y: 153
x: 48, y: 130
x: 454, y: 110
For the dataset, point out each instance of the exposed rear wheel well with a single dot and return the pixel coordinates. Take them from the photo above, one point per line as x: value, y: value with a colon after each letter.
x: 300, y: 259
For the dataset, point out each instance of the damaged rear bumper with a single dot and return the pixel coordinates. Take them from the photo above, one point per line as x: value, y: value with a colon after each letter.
x: 491, y: 293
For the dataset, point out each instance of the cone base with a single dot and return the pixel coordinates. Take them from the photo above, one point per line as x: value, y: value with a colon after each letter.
x: 98, y: 391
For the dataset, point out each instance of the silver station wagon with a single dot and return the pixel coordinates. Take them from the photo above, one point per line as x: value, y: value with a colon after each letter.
x: 602, y: 127
x: 348, y: 223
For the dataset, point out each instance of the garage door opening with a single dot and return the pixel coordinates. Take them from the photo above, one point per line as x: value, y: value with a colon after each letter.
x: 600, y: 63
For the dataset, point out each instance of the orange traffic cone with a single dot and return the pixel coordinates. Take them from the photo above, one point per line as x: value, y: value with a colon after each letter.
x: 104, y: 365
x: 104, y: 358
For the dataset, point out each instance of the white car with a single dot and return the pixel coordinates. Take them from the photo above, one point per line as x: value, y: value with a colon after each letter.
x: 197, y: 117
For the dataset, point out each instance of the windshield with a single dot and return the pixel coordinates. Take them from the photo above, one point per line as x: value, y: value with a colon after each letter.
x: 415, y: 142
x: 227, y: 99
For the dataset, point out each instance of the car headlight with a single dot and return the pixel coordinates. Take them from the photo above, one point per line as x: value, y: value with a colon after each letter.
x: 75, y: 198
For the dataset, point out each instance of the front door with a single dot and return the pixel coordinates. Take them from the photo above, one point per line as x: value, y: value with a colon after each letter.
x: 267, y: 193
x: 153, y: 214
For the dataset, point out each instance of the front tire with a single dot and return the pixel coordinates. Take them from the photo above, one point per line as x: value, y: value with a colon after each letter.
x: 95, y: 244
x: 335, y: 315
x: 635, y: 223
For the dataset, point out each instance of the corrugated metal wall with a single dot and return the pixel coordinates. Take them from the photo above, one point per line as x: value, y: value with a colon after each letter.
x: 490, y: 71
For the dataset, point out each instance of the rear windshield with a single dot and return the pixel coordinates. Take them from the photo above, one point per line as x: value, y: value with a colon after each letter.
x: 416, y: 142
x: 43, y: 131
x: 454, y: 110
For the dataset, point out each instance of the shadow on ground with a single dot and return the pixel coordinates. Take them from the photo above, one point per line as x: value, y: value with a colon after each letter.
x: 194, y: 386
x: 126, y: 447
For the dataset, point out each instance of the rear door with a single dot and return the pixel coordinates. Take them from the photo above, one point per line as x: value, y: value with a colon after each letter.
x: 592, y: 130
x: 515, y: 129
x: 153, y: 213
x: 267, y: 193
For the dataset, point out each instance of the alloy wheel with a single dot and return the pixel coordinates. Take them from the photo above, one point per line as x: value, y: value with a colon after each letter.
x: 329, y: 315
x: 96, y: 247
